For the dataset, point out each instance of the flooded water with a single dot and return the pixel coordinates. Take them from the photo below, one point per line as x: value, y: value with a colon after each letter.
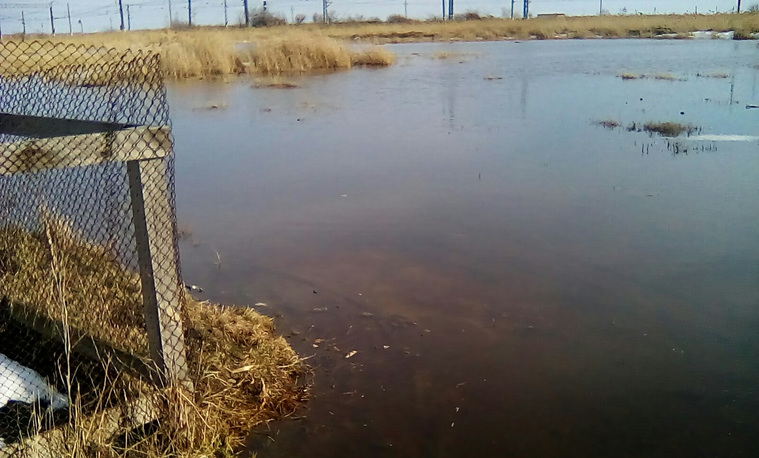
x: 515, y: 279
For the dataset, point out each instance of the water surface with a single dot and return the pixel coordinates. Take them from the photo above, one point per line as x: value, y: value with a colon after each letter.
x: 544, y: 286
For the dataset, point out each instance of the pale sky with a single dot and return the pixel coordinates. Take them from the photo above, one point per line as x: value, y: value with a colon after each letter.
x: 98, y: 15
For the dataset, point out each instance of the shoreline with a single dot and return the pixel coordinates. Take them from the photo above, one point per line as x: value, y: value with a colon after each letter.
x: 212, y: 51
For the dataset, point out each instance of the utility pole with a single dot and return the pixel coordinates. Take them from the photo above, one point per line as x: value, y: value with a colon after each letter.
x: 247, y: 15
x: 68, y: 13
x: 226, y: 22
x: 444, y: 10
x: 292, y: 14
x: 189, y: 13
x: 405, y: 8
x: 600, y: 7
x: 450, y: 9
x: 325, y: 4
x: 81, y: 27
x: 129, y: 19
x: 171, y: 16
x: 23, y: 24
x: 264, y: 6
x: 526, y: 12
x: 121, y: 13
x: 52, y: 20
x: 739, y: 6
x: 512, y: 9
x: 1, y: 32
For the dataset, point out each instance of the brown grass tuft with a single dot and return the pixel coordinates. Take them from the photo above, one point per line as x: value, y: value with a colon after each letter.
x: 669, y: 129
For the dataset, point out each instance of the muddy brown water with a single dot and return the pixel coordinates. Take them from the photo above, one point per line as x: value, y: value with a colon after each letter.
x: 544, y: 286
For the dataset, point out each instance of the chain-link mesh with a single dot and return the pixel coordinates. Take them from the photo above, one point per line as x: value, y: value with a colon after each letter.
x: 88, y: 246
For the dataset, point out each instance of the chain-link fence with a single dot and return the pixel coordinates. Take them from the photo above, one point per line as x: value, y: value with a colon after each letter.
x: 89, y: 267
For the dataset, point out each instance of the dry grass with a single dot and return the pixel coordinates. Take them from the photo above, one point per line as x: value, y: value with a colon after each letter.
x: 104, y: 292
x: 373, y: 56
x: 243, y: 373
x: 547, y: 27
x: 72, y: 65
x: 203, y: 53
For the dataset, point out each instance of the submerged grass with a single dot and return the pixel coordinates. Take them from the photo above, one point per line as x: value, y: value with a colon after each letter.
x: 275, y: 83
x: 608, y: 123
x: 659, y: 76
x: 243, y: 373
x: 716, y: 75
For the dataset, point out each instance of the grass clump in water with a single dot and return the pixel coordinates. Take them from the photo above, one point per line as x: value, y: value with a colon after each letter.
x: 716, y: 75
x: 667, y: 77
x: 658, y: 76
x: 608, y: 123
x: 669, y: 129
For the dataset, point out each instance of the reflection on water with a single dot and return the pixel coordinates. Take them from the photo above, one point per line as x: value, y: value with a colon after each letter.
x: 515, y: 280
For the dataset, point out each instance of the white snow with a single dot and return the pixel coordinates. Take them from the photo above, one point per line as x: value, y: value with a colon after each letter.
x: 22, y: 384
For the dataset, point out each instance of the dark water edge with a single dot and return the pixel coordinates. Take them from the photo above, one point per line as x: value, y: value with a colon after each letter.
x: 545, y: 287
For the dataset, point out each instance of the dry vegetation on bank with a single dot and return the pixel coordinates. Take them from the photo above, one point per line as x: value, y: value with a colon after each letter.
x: 628, y: 26
x: 287, y: 49
x: 242, y: 372
x: 207, y: 52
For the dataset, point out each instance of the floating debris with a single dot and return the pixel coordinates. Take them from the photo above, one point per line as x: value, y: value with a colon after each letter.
x: 195, y: 288
x: 351, y: 354
x: 260, y: 304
